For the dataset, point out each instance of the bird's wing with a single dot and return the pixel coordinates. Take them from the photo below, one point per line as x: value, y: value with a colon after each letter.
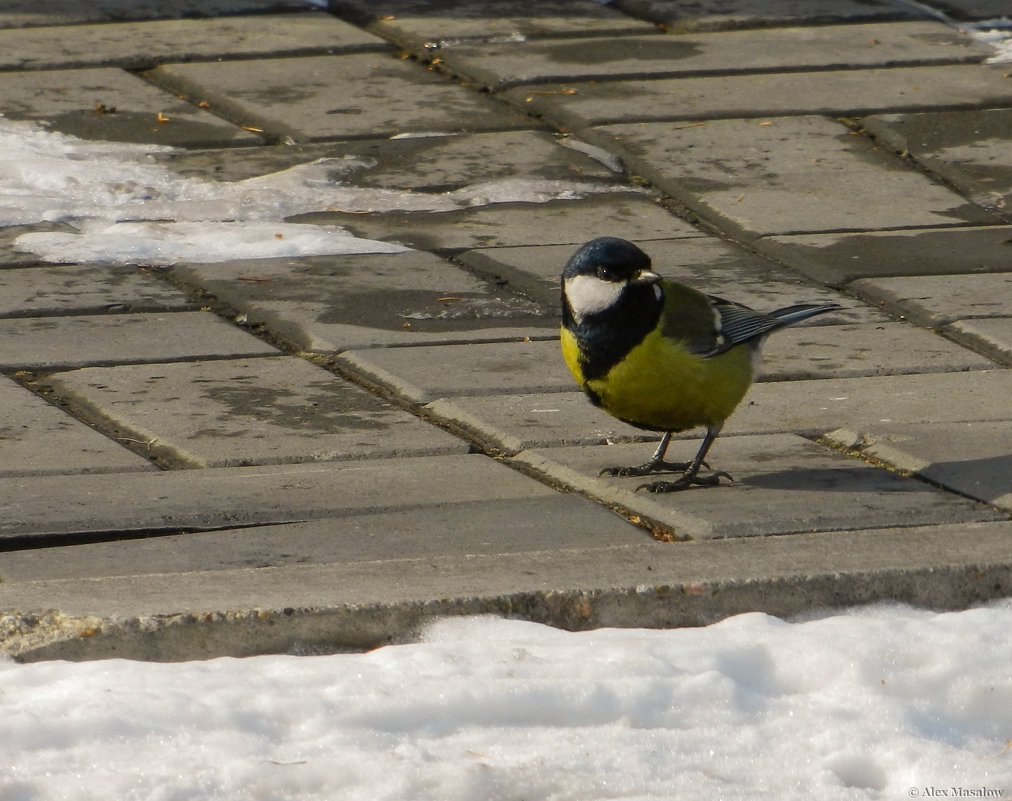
x: 689, y: 317
x: 707, y: 325
x: 739, y: 324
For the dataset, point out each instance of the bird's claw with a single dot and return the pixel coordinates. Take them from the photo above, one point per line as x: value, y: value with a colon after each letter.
x: 686, y: 481
x: 648, y: 468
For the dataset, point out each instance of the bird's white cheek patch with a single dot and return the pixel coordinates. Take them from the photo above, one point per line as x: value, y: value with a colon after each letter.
x: 589, y: 295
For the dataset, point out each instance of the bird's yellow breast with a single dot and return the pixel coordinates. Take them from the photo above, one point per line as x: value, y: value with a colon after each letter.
x: 661, y: 385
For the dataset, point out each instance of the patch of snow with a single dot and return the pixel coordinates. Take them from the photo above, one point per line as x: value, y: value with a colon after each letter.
x: 886, y: 702
x: 126, y: 207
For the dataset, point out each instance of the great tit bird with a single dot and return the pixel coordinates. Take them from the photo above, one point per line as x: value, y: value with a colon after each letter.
x: 658, y: 355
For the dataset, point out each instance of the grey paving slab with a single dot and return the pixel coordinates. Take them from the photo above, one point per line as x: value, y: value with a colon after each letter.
x: 719, y: 14
x: 839, y: 258
x: 110, y: 104
x: 471, y: 369
x: 333, y: 303
x: 826, y: 351
x: 485, y: 527
x: 574, y: 106
x: 972, y: 150
x: 49, y: 343
x: 229, y: 497
x: 709, y: 264
x: 412, y: 23
x: 75, y: 289
x: 991, y: 336
x: 514, y: 422
x: 498, y: 66
x: 938, y: 299
x: 433, y: 165
x: 973, y: 9
x: 339, y: 97
x: 324, y: 608
x: 229, y: 413
x: 879, y: 349
x: 37, y: 438
x: 788, y: 485
x: 973, y: 459
x: 141, y: 45
x: 632, y: 215
x: 25, y: 13
x: 787, y: 175
x: 812, y: 406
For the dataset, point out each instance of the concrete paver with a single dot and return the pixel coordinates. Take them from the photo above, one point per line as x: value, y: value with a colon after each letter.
x: 829, y: 142
x: 516, y: 422
x: 402, y: 99
x: 511, y: 423
x: 708, y: 264
x: 426, y: 165
x: 139, y: 45
x: 333, y: 303
x: 570, y: 222
x: 50, y: 343
x: 249, y: 411
x: 715, y: 14
x: 37, y: 438
x: 748, y: 176
x: 975, y: 9
x: 938, y: 299
x: 73, y: 289
x: 812, y: 351
x: 499, y: 66
x: 788, y: 484
x: 472, y: 528
x: 411, y: 23
x: 105, y: 103
x: 970, y: 309
x: 839, y: 93
x: 485, y: 368
x: 229, y: 497
x: 18, y: 13
x: 972, y: 459
x: 839, y: 258
x: 972, y: 150
x: 991, y: 336
x: 322, y: 608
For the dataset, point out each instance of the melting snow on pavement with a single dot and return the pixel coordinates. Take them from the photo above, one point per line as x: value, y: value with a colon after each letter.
x: 125, y: 208
x: 885, y: 702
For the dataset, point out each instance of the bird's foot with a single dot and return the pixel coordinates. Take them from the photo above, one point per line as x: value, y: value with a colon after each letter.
x: 686, y: 481
x: 653, y: 466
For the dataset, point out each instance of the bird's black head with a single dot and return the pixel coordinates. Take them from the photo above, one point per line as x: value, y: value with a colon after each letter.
x: 604, y: 274
x: 609, y: 258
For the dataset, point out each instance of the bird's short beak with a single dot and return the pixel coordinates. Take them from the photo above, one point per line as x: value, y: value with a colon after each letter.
x: 646, y: 277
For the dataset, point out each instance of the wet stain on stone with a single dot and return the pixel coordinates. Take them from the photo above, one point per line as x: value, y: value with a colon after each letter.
x: 426, y: 310
x: 951, y: 129
x: 137, y: 127
x: 922, y: 253
x: 619, y: 49
x: 329, y: 408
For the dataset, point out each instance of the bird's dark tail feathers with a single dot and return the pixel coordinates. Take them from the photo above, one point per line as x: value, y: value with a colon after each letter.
x: 802, y: 311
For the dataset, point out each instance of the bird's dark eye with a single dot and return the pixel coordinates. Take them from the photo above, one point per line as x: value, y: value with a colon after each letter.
x: 607, y: 274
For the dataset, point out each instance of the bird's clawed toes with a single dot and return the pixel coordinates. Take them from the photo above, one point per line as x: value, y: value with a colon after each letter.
x: 646, y: 469
x: 686, y: 481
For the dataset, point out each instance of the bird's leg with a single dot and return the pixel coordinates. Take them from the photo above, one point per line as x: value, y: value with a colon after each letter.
x: 655, y: 465
x: 691, y: 475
